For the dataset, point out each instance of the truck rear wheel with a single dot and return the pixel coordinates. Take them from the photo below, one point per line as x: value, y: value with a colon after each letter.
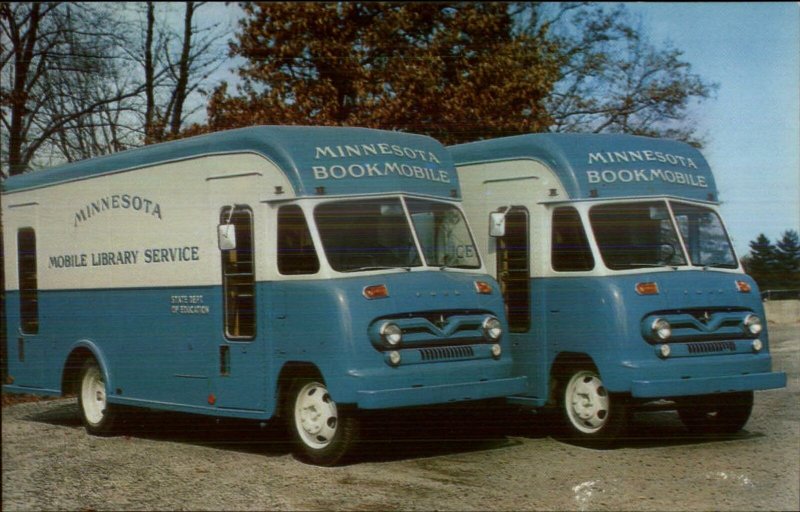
x: 591, y: 416
x: 322, y: 432
x: 716, y: 414
x: 98, y: 416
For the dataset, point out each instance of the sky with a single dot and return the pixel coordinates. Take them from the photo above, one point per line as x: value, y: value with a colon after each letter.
x: 752, y: 124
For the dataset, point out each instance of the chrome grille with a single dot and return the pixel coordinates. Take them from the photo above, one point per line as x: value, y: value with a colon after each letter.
x: 438, y: 353
x: 711, y: 346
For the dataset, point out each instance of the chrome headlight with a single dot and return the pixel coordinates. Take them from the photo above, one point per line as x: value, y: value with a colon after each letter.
x: 661, y: 329
x: 492, y: 328
x: 753, y: 325
x: 391, y: 334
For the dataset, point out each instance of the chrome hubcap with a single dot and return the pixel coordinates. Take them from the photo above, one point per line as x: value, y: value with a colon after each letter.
x: 93, y: 396
x: 587, y: 402
x: 315, y: 415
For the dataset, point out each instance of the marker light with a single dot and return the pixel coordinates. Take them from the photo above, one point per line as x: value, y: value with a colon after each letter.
x: 483, y: 287
x: 391, y: 334
x: 647, y: 288
x: 664, y: 351
x: 743, y: 286
x: 661, y: 329
x: 753, y: 324
x: 496, y: 351
x: 492, y: 328
x: 757, y: 345
x: 376, y: 291
x: 394, y: 358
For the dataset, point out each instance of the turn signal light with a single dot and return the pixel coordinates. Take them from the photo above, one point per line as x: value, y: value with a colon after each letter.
x: 376, y: 291
x: 483, y: 287
x: 647, y: 288
x: 743, y: 286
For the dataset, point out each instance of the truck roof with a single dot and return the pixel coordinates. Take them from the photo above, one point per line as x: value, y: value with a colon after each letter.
x: 343, y: 160
x: 604, y: 165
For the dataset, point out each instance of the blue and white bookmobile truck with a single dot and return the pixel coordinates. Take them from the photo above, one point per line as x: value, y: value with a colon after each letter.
x: 620, y: 282
x: 301, y: 272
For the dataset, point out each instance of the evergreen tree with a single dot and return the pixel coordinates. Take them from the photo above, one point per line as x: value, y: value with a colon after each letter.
x: 787, y: 260
x: 761, y: 262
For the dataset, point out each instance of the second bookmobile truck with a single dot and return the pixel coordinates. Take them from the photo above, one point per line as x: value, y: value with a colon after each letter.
x: 620, y: 282
x: 294, y: 272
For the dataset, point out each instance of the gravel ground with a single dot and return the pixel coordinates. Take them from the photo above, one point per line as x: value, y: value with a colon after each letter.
x: 464, y: 460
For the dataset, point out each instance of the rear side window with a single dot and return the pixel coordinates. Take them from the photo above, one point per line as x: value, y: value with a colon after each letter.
x: 28, y: 281
x: 570, y: 247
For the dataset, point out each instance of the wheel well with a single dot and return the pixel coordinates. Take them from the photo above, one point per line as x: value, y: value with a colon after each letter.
x: 563, y: 365
x: 290, y: 372
x: 70, y: 377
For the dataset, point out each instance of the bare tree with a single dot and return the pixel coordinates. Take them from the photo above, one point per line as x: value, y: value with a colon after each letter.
x: 175, y: 64
x: 59, y: 71
x: 77, y: 82
x: 612, y: 79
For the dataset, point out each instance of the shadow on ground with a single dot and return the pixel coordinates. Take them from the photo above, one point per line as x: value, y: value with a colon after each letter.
x: 386, y: 435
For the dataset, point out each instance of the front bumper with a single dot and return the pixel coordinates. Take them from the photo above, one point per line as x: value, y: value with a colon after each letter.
x: 707, y: 385
x: 440, y: 393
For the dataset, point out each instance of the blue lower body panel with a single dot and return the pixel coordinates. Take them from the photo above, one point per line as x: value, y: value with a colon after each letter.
x: 442, y: 393
x: 707, y: 385
x: 9, y: 388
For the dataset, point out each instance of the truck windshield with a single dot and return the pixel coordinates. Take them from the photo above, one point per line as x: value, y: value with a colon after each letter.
x: 704, y: 236
x: 367, y: 234
x: 372, y: 234
x: 636, y: 235
x: 443, y: 234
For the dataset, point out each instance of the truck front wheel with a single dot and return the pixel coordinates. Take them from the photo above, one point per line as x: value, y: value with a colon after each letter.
x: 591, y: 416
x: 323, y: 434
x: 716, y: 414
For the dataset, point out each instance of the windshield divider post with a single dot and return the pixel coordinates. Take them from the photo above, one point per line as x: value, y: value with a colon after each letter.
x: 414, y: 232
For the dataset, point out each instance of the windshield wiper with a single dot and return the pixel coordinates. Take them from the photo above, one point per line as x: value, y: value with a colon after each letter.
x: 720, y: 264
x: 445, y: 267
x: 377, y: 267
x: 648, y: 265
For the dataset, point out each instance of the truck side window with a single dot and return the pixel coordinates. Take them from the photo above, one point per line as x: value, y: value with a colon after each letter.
x: 296, y: 254
x: 238, y: 275
x: 28, y: 282
x: 513, y: 269
x: 570, y: 247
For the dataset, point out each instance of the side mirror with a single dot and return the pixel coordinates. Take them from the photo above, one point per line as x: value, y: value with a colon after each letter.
x: 226, y: 237
x: 497, y: 224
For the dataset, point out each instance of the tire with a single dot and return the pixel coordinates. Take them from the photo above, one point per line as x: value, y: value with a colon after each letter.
x: 590, y: 415
x: 323, y: 433
x: 98, y: 416
x: 716, y: 414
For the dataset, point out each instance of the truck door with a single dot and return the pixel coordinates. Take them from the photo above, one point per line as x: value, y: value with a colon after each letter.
x: 241, y: 376
x: 512, y: 194
x: 513, y: 269
x: 513, y: 252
